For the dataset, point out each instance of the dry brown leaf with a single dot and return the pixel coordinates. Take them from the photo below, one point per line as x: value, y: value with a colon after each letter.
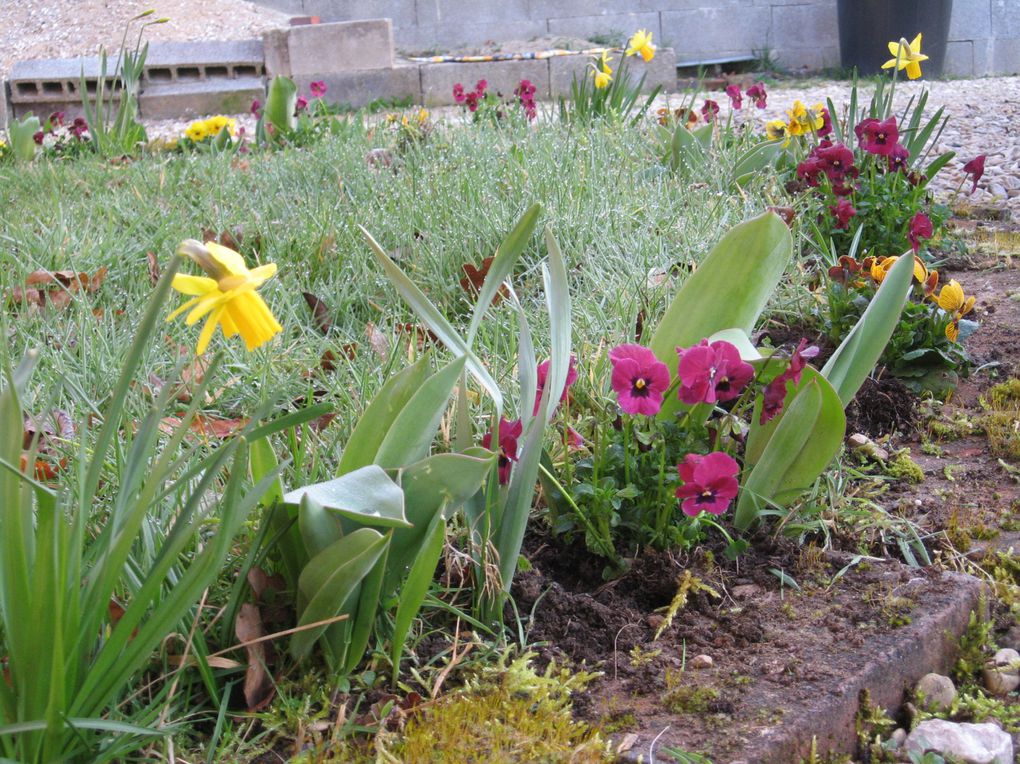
x: 377, y: 341
x: 419, y: 334
x: 258, y: 684
x: 320, y: 312
x: 475, y: 277
x: 208, y: 427
x: 154, y: 270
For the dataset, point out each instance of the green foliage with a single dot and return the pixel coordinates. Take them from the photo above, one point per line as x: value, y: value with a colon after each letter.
x: 620, y: 99
x: 22, y: 135
x: 113, y: 119
x: 70, y: 662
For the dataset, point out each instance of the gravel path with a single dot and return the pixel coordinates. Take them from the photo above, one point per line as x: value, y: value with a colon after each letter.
x: 71, y: 28
x: 984, y: 119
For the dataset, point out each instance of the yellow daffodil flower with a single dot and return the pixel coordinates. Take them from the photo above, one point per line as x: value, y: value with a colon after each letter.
x: 602, y: 79
x: 603, y: 71
x: 227, y: 295
x: 906, y: 55
x: 641, y: 44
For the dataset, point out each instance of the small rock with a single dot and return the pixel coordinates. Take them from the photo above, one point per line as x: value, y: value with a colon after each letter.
x: 866, y: 446
x: 970, y: 743
x: 997, y: 189
x: 1012, y: 637
x: 899, y: 736
x: 743, y: 591
x: 1002, y: 673
x: 702, y: 662
x: 937, y: 692
x: 654, y: 620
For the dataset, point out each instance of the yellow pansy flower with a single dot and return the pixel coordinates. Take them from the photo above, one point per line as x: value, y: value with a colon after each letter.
x: 880, y: 266
x: 641, y: 44
x: 197, y: 131
x: 803, y: 121
x: 906, y: 55
x: 226, y: 295
x: 952, y: 330
x: 776, y: 129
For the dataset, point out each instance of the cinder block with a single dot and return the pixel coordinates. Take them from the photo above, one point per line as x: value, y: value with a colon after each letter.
x: 1005, y: 56
x: 361, y: 87
x: 959, y: 60
x: 970, y: 19
x: 437, y: 80
x: 196, y: 99
x: 803, y: 26
x: 731, y: 29
x: 3, y: 104
x: 661, y: 70
x: 619, y: 25
x: 204, y: 53
x: 334, y: 47
x: 449, y: 35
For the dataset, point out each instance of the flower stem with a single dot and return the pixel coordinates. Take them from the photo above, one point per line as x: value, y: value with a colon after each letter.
x: 605, y: 544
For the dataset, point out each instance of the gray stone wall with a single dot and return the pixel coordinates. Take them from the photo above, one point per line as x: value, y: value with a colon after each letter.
x: 800, y: 34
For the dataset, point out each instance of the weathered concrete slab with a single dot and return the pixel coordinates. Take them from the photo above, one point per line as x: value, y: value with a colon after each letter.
x: 333, y: 47
x: 887, y: 665
x: 197, y: 99
x: 661, y: 70
x: 361, y: 87
x: 618, y: 25
x: 437, y: 80
x: 3, y: 104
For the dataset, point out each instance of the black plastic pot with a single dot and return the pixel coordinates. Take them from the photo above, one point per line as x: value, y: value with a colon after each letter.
x: 866, y: 27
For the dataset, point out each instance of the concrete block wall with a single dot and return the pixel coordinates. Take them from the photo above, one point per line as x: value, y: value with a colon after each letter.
x: 800, y: 34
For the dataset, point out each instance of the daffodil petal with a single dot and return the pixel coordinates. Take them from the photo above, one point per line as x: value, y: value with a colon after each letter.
x: 186, y: 284
x: 205, y: 304
x: 183, y: 308
x: 207, y: 330
x: 913, y: 70
x: 228, y: 258
x: 915, y: 45
x: 894, y: 49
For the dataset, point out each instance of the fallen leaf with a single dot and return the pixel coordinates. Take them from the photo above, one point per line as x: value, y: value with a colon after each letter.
x: 377, y: 341
x: 206, y: 426
x: 639, y: 326
x: 320, y: 312
x: 154, y: 270
x: 265, y: 587
x: 786, y: 213
x: 258, y: 684
x: 475, y: 277
x: 419, y: 334
x: 213, y: 661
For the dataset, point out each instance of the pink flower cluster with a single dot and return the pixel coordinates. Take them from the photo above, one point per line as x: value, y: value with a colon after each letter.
x: 756, y: 93
x: 473, y: 98
x: 775, y: 391
x: 525, y: 93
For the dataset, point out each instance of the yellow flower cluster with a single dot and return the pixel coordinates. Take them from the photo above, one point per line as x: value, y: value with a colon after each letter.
x: 950, y: 298
x: 416, y: 119
x: 802, y: 121
x: 603, y: 71
x: 201, y: 129
x: 640, y: 44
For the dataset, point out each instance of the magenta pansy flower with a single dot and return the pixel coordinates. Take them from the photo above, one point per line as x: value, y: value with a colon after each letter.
x: 709, y: 483
x: 920, y: 228
x: 302, y: 104
x: 458, y: 93
x: 775, y: 391
x: 843, y: 211
x: 758, y: 94
x: 899, y: 159
x: 709, y: 110
x: 975, y: 168
x: 711, y: 373
x: 318, y: 88
x: 735, y: 96
x: 509, y: 432
x: 837, y: 161
x: 826, y: 127
x: 878, y: 137
x: 799, y: 360
x: 639, y: 379
x: 543, y: 375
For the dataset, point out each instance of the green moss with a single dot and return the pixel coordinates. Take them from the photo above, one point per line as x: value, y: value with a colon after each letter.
x: 688, y: 699
x: 1001, y: 423
x: 618, y: 721
x: 506, y: 712
x: 902, y: 467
